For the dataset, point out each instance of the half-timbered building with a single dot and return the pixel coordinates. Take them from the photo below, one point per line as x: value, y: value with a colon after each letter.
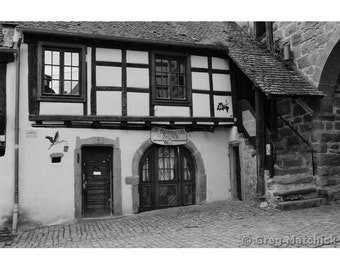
x: 115, y: 118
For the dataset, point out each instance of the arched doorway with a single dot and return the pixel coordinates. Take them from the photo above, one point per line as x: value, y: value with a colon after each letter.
x: 167, y: 178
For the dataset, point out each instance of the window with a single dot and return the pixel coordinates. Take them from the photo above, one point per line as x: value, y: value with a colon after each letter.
x: 62, y: 73
x: 260, y: 29
x: 170, y: 80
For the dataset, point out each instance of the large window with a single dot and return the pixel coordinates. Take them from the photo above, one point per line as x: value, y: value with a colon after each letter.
x: 170, y: 80
x: 62, y: 72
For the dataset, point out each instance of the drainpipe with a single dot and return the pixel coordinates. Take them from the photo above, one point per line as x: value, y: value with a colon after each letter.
x: 16, y: 140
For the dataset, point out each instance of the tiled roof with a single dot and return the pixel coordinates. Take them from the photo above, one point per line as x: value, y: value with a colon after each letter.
x: 263, y: 69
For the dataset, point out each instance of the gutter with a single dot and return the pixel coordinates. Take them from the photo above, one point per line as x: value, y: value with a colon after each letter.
x: 16, y: 139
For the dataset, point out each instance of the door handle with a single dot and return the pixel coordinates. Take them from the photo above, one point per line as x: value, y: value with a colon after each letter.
x: 84, y: 184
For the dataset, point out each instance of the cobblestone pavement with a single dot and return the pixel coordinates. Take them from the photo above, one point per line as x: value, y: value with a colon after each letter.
x: 215, y: 225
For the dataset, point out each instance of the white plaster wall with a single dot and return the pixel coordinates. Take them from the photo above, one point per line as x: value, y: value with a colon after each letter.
x: 171, y: 111
x: 219, y: 63
x: 113, y: 55
x: 221, y: 82
x: 61, y: 108
x: 199, y: 61
x: 137, y: 57
x: 201, y: 105
x: 137, y: 77
x: 138, y: 104
x: 7, y: 161
x: 109, y: 103
x: 200, y: 80
x: 108, y: 76
x: 214, y: 150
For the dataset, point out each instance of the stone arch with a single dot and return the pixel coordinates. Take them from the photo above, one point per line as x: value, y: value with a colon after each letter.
x: 329, y: 64
x: 200, y: 175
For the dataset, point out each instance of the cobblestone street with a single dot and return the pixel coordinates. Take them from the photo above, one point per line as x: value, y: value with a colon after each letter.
x: 214, y: 225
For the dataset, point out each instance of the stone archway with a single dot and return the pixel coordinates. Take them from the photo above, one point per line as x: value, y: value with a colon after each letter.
x: 200, y: 175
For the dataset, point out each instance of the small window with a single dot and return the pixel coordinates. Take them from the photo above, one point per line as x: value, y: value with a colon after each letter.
x: 260, y: 29
x: 56, y: 157
x: 62, y: 73
x: 170, y: 80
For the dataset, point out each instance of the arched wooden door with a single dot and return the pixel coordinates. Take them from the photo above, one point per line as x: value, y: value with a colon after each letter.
x: 167, y: 178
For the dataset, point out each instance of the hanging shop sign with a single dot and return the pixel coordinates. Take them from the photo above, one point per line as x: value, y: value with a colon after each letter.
x: 164, y: 136
x: 249, y: 123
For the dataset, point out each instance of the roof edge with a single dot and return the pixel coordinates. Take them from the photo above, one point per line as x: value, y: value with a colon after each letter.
x: 122, y: 39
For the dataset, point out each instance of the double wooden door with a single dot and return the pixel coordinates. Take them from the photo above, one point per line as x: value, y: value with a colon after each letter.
x: 167, y: 178
x: 97, y: 181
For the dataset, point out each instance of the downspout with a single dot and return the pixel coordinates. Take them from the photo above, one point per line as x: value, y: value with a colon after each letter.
x: 16, y: 140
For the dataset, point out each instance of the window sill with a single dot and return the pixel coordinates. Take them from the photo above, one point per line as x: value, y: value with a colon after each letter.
x: 69, y: 99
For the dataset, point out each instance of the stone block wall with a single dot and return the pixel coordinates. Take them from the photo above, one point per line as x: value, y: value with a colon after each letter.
x: 293, y: 156
x: 310, y: 44
x: 323, y: 133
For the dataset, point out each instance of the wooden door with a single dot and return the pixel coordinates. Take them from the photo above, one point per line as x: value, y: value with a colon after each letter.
x: 167, y: 178
x: 97, y: 181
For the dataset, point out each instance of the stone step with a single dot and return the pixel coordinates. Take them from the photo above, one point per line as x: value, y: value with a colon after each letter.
x: 296, y: 194
x: 291, y: 179
x: 292, y: 170
x: 300, y: 204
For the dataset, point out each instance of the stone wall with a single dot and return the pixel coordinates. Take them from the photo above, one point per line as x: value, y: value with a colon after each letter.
x: 315, y: 55
x: 248, y: 168
x: 293, y: 155
x: 310, y: 44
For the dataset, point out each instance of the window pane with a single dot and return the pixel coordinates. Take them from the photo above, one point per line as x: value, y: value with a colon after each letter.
x: 166, y: 92
x: 67, y: 73
x: 55, y: 86
x: 48, y: 84
x: 174, y: 67
x: 175, y: 92
x: 75, y: 88
x: 67, y: 59
x: 181, y: 92
x: 75, y: 59
x: 181, y: 67
x: 165, y: 79
x: 158, y: 65
x: 174, y: 79
x: 165, y: 66
x: 186, y: 168
x: 48, y: 70
x: 48, y: 57
x: 56, y: 56
x: 181, y: 79
x: 55, y: 73
x: 75, y: 74
x: 158, y: 79
x: 67, y: 87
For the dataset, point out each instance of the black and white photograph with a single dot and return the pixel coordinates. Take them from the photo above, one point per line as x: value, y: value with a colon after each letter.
x: 191, y: 134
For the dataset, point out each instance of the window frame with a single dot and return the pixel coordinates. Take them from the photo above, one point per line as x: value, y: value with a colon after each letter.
x: 81, y: 98
x: 187, y: 72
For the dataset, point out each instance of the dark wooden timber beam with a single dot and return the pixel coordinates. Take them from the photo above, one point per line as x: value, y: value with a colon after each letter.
x: 188, y: 127
x: 260, y: 142
x: 104, y: 118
